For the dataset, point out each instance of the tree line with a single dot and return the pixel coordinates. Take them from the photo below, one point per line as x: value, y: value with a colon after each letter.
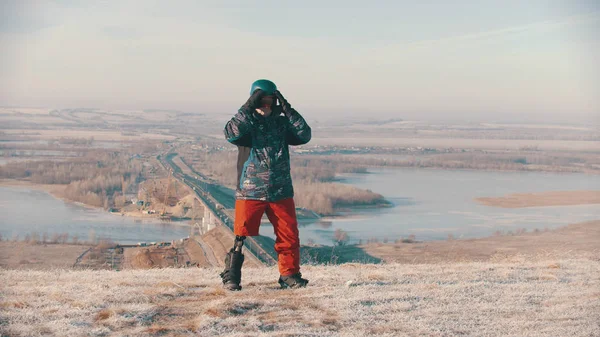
x: 313, y: 179
x: 97, y: 179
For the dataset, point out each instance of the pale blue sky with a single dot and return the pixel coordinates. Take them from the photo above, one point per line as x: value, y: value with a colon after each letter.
x: 468, y: 59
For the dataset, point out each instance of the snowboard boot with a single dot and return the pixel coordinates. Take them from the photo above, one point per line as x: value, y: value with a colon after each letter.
x: 232, y: 275
x: 292, y: 281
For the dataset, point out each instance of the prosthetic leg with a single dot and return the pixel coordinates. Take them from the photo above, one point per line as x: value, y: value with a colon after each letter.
x: 232, y: 275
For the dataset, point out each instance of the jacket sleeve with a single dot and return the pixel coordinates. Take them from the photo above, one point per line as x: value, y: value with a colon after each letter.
x: 243, y: 154
x: 298, y: 131
x: 237, y: 130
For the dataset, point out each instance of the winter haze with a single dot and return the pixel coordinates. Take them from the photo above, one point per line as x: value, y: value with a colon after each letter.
x: 450, y: 185
x: 459, y: 60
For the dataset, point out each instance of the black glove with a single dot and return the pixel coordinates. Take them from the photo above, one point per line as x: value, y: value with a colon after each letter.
x: 285, y: 105
x: 254, y: 101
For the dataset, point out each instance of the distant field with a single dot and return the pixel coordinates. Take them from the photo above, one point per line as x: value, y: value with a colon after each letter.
x: 36, y: 118
x: 539, y: 126
x: 492, y: 144
x: 554, y: 198
x: 581, y: 239
x: 97, y: 134
x: 29, y: 111
x: 493, y: 136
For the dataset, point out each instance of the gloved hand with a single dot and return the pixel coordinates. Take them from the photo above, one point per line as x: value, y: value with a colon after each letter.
x: 254, y: 101
x: 285, y: 105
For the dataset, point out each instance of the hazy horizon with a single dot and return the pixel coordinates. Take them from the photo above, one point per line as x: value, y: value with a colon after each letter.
x: 489, y: 61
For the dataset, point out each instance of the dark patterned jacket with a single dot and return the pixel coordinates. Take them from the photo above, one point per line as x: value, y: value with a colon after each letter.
x: 266, y: 173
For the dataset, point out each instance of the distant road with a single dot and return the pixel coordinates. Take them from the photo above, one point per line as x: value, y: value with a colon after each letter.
x: 221, y: 194
x: 208, y: 253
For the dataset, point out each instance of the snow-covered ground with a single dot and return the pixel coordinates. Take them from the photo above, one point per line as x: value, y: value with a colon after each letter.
x: 517, y: 297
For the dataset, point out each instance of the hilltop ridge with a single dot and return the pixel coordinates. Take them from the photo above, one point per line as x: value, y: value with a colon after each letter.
x: 533, y: 296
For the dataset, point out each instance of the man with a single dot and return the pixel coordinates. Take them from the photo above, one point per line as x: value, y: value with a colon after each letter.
x: 263, y: 130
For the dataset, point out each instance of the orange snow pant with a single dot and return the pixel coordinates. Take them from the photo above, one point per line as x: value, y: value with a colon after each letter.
x: 282, y: 215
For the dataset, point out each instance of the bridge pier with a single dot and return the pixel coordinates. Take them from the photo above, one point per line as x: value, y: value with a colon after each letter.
x: 208, y: 221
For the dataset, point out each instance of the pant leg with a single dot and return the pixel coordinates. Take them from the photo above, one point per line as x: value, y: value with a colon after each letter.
x: 248, y: 214
x: 282, y: 215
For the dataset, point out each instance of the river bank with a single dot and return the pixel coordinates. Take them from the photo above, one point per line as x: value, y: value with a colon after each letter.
x: 30, y: 211
x: 429, y: 205
x: 572, y: 241
x: 57, y: 191
x: 437, y: 204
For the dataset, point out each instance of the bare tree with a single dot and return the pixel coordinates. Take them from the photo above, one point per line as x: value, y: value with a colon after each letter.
x: 340, y: 237
x: 92, y: 237
x: 35, y: 238
x: 54, y: 238
x: 64, y: 238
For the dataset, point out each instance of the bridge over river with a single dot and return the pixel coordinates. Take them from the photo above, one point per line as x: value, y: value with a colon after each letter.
x: 217, y: 207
